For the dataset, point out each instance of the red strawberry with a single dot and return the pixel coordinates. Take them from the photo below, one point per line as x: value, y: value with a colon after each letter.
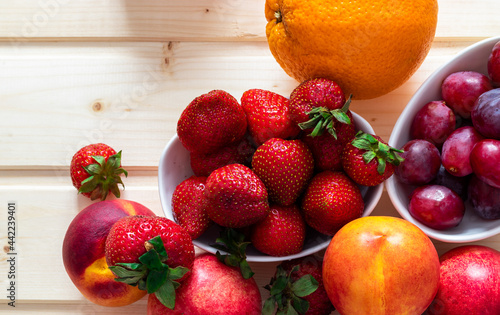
x: 297, y: 271
x: 331, y: 200
x: 211, y: 121
x: 319, y: 104
x: 95, y: 171
x: 281, y: 233
x: 189, y: 206
x: 268, y: 116
x: 204, y: 164
x: 326, y: 150
x: 236, y: 196
x: 313, y: 93
x: 151, y: 252
x: 368, y: 160
x: 285, y: 167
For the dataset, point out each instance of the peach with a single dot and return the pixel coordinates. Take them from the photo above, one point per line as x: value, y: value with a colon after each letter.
x: 83, y: 252
x: 381, y: 265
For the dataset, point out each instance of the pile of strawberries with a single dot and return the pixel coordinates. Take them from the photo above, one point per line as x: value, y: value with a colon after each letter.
x: 274, y: 167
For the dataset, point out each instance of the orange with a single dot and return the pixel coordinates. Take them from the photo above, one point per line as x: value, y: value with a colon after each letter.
x: 369, y: 47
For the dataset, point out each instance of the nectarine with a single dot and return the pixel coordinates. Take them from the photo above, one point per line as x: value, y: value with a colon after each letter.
x: 83, y: 252
x: 381, y: 265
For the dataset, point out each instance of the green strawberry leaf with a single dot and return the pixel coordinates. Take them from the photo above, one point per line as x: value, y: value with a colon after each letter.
x: 368, y: 156
x: 304, y: 286
x: 233, y: 244
x: 104, y: 177
x: 93, y: 169
x: 166, y: 294
x: 151, y: 259
x: 129, y: 275
x: 151, y: 273
x: 321, y: 119
x: 279, y: 285
x: 159, y: 247
x: 155, y: 279
x: 269, y: 306
x: 178, y: 272
x: 299, y: 306
x: 89, y: 184
x: 286, y: 294
x: 376, y: 149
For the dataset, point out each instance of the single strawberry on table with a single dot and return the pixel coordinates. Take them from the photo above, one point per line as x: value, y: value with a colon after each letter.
x: 268, y: 115
x: 285, y: 167
x: 330, y: 201
x: 281, y: 233
x: 96, y: 170
x: 210, y: 122
x: 151, y: 252
x: 189, y: 206
x: 368, y: 160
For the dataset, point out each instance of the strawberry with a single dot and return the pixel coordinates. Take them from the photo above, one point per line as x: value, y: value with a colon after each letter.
x: 95, y: 171
x: 281, y: 233
x: 188, y: 206
x: 294, y: 276
x: 330, y: 201
x: 204, y: 164
x: 285, y: 167
x: 319, y: 104
x: 210, y: 122
x: 151, y: 252
x: 236, y: 196
x: 326, y: 150
x: 368, y: 160
x: 268, y: 116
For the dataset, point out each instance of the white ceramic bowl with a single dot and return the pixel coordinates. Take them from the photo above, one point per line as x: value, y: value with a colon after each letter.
x: 175, y: 167
x: 472, y: 228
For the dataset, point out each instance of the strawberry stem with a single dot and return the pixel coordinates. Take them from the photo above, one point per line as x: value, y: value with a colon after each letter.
x: 376, y: 149
x: 105, y: 176
x: 232, y: 242
x: 151, y: 273
x: 322, y: 118
x: 286, y: 294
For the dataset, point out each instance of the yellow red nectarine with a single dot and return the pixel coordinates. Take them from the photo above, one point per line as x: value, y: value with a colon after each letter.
x: 381, y: 265
x: 83, y: 252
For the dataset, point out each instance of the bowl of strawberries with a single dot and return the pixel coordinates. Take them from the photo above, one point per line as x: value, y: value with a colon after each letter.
x: 268, y: 177
x: 449, y: 181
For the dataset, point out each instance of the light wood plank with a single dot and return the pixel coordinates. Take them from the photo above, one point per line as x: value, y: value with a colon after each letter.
x: 44, y: 216
x: 194, y: 20
x: 130, y: 95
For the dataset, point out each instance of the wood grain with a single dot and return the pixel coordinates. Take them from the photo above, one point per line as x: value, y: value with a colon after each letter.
x: 121, y: 72
x: 194, y: 20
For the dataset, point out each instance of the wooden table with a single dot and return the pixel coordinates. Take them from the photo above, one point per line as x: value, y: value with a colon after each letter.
x: 121, y: 72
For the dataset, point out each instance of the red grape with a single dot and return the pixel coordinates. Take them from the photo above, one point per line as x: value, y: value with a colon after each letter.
x: 485, y: 161
x: 486, y: 114
x: 436, y: 206
x: 456, y: 150
x: 485, y: 199
x: 421, y: 162
x: 494, y: 65
x: 434, y: 122
x: 455, y: 183
x: 461, y: 89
